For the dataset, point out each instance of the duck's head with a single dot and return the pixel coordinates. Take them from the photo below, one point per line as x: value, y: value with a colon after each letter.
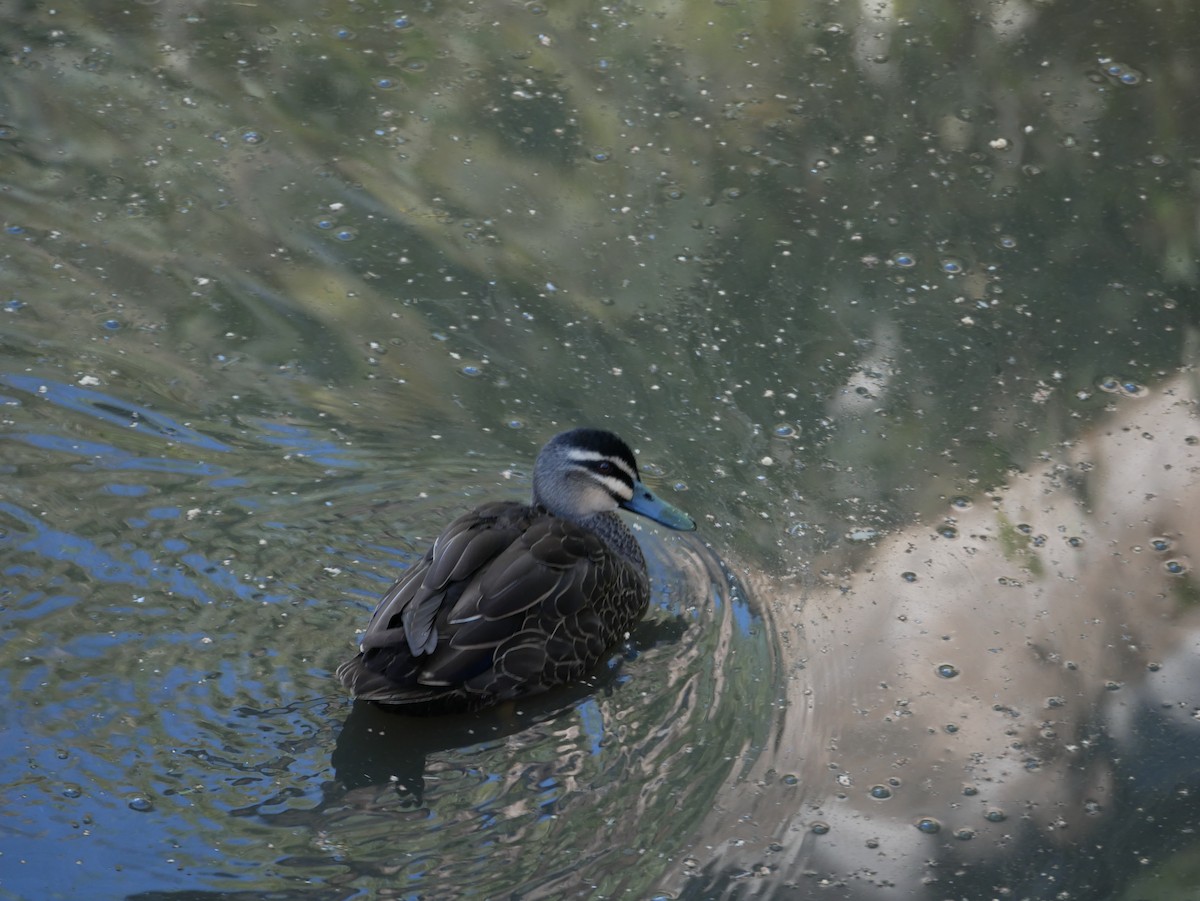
x: 587, y: 471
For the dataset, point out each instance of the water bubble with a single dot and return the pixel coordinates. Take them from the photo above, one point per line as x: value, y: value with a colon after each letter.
x: 1130, y: 388
x: 952, y: 266
x: 1025, y: 528
x: 1120, y: 73
x: 515, y: 424
x: 785, y: 430
x: 324, y: 223
x: 961, y: 503
x: 14, y: 230
x: 790, y: 779
x: 970, y: 790
x: 863, y: 535
x: 902, y: 259
x: 1056, y: 701
x: 964, y: 833
x: 252, y: 137
x: 819, y: 828
x: 112, y: 324
x: 346, y: 233
x: 140, y: 803
x: 948, y: 531
x: 385, y: 83
x: 950, y: 728
x: 1175, y: 567
x: 928, y: 825
x: 908, y: 576
x: 1109, y: 383
x: 401, y: 22
x: 947, y: 670
x: 733, y: 193
x: 342, y: 33
x: 880, y: 792
x: 72, y: 791
x: 1160, y: 544
x: 11, y: 306
x: 1075, y: 541
x: 470, y: 370
x: 600, y: 156
x: 1006, y: 242
x: 995, y: 815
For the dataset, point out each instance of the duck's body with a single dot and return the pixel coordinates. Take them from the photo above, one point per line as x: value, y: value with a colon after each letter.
x: 515, y: 598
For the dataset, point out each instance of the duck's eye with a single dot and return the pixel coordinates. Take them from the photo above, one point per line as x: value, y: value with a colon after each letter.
x: 605, y: 468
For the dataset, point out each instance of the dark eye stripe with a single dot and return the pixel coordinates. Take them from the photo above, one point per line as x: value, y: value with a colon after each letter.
x: 592, y: 460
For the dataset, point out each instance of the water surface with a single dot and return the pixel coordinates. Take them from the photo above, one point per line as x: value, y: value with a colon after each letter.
x: 900, y: 303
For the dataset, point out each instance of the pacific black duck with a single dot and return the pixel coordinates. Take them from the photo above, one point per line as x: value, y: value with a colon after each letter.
x: 515, y: 598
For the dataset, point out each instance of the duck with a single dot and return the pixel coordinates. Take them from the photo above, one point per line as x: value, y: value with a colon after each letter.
x: 513, y: 599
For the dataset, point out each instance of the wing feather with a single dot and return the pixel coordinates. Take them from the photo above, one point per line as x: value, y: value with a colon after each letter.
x: 508, y: 601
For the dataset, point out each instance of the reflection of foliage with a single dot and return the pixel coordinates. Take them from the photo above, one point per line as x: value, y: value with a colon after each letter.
x: 729, y: 190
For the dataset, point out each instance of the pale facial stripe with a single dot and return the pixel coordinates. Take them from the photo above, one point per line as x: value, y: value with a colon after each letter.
x: 590, y: 456
x: 615, y: 486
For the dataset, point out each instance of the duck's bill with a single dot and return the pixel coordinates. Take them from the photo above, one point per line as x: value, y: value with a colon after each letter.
x: 646, y: 503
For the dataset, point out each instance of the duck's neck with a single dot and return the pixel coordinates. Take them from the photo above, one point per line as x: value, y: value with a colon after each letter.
x: 612, y: 529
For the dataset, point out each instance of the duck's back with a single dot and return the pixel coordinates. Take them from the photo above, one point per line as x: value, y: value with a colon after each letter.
x: 509, y: 601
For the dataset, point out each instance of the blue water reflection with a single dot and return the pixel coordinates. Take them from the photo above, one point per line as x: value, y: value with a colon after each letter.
x: 107, y: 457
x: 106, y: 408
x: 139, y: 569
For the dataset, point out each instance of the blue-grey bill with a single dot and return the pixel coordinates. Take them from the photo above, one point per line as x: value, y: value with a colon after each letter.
x: 646, y: 503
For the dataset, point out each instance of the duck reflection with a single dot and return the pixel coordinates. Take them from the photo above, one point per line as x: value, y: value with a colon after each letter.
x: 382, y: 746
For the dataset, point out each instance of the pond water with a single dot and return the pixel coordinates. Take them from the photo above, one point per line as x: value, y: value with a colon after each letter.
x: 900, y: 303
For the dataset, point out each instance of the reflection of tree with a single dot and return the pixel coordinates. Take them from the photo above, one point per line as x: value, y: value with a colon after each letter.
x: 747, y: 161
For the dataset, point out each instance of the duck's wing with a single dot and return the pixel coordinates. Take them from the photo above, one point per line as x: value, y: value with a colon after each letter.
x: 502, y: 605
x: 543, y: 584
x: 407, y: 614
